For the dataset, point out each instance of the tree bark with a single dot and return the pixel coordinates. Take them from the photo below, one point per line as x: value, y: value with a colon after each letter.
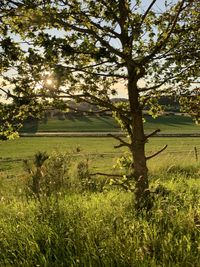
x: 138, y: 144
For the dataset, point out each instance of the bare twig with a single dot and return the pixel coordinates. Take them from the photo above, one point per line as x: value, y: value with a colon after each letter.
x: 147, y: 11
x: 122, y: 142
x: 155, y: 154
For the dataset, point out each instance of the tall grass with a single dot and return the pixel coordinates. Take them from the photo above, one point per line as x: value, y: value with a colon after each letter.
x: 82, y: 226
x: 100, y: 229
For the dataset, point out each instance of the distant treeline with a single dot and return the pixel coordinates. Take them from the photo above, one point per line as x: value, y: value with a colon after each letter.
x: 170, y: 103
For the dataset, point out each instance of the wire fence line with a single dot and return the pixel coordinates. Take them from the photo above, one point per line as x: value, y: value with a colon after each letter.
x: 193, y: 152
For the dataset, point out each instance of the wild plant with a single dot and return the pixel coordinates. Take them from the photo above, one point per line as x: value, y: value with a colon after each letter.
x: 36, y: 171
x: 126, y: 179
x: 48, y: 174
x: 84, y: 177
x: 56, y: 177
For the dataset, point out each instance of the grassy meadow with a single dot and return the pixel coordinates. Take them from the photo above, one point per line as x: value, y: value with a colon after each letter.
x: 99, y: 149
x: 77, y: 123
x: 83, y: 220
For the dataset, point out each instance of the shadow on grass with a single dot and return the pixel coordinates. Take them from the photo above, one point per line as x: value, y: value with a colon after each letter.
x: 109, y: 121
x: 30, y: 126
x: 173, y: 120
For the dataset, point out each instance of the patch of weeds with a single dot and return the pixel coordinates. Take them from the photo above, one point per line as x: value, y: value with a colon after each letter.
x: 87, y: 181
x: 48, y: 175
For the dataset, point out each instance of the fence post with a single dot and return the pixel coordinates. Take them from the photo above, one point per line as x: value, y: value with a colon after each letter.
x: 196, y: 153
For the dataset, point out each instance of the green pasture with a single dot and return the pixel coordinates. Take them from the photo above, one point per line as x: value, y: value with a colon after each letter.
x: 172, y: 124
x: 100, y: 150
x: 26, y: 146
x: 73, y: 123
x: 167, y: 124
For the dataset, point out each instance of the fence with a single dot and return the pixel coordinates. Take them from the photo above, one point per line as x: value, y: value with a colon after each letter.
x: 193, y: 153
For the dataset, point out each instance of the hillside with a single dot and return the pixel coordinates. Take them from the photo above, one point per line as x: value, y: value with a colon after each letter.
x: 79, y: 123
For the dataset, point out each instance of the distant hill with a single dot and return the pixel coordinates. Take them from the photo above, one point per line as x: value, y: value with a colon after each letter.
x: 79, y: 123
x: 170, y: 103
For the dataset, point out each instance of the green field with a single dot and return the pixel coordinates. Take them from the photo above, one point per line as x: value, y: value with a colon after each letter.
x: 167, y: 124
x: 172, y: 124
x: 74, y: 124
x: 99, y: 148
x: 91, y: 222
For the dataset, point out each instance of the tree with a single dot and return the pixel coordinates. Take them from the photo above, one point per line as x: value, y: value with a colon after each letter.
x: 80, y: 49
x: 190, y: 103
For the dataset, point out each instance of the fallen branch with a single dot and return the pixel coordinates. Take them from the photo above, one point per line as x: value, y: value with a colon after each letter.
x: 123, y: 185
x: 152, y: 156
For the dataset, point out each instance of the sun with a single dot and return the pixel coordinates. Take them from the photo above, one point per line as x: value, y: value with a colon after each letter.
x: 49, y: 82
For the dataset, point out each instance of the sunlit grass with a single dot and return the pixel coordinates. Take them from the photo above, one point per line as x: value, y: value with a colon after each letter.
x: 101, y: 228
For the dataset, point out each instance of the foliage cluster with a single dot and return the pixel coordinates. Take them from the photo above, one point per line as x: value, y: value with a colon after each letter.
x: 190, y: 104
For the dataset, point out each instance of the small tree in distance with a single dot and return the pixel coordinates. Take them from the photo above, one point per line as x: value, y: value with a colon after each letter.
x: 80, y: 49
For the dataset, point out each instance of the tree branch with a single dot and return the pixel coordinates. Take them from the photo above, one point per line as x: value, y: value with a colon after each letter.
x: 91, y: 32
x: 166, y: 80
x: 106, y: 174
x: 161, y: 43
x: 152, y: 134
x: 147, y: 11
x: 157, y: 153
x: 123, y: 143
x: 83, y: 69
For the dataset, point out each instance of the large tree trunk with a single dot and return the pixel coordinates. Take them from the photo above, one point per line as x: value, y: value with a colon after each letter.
x: 138, y: 145
x: 139, y: 160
